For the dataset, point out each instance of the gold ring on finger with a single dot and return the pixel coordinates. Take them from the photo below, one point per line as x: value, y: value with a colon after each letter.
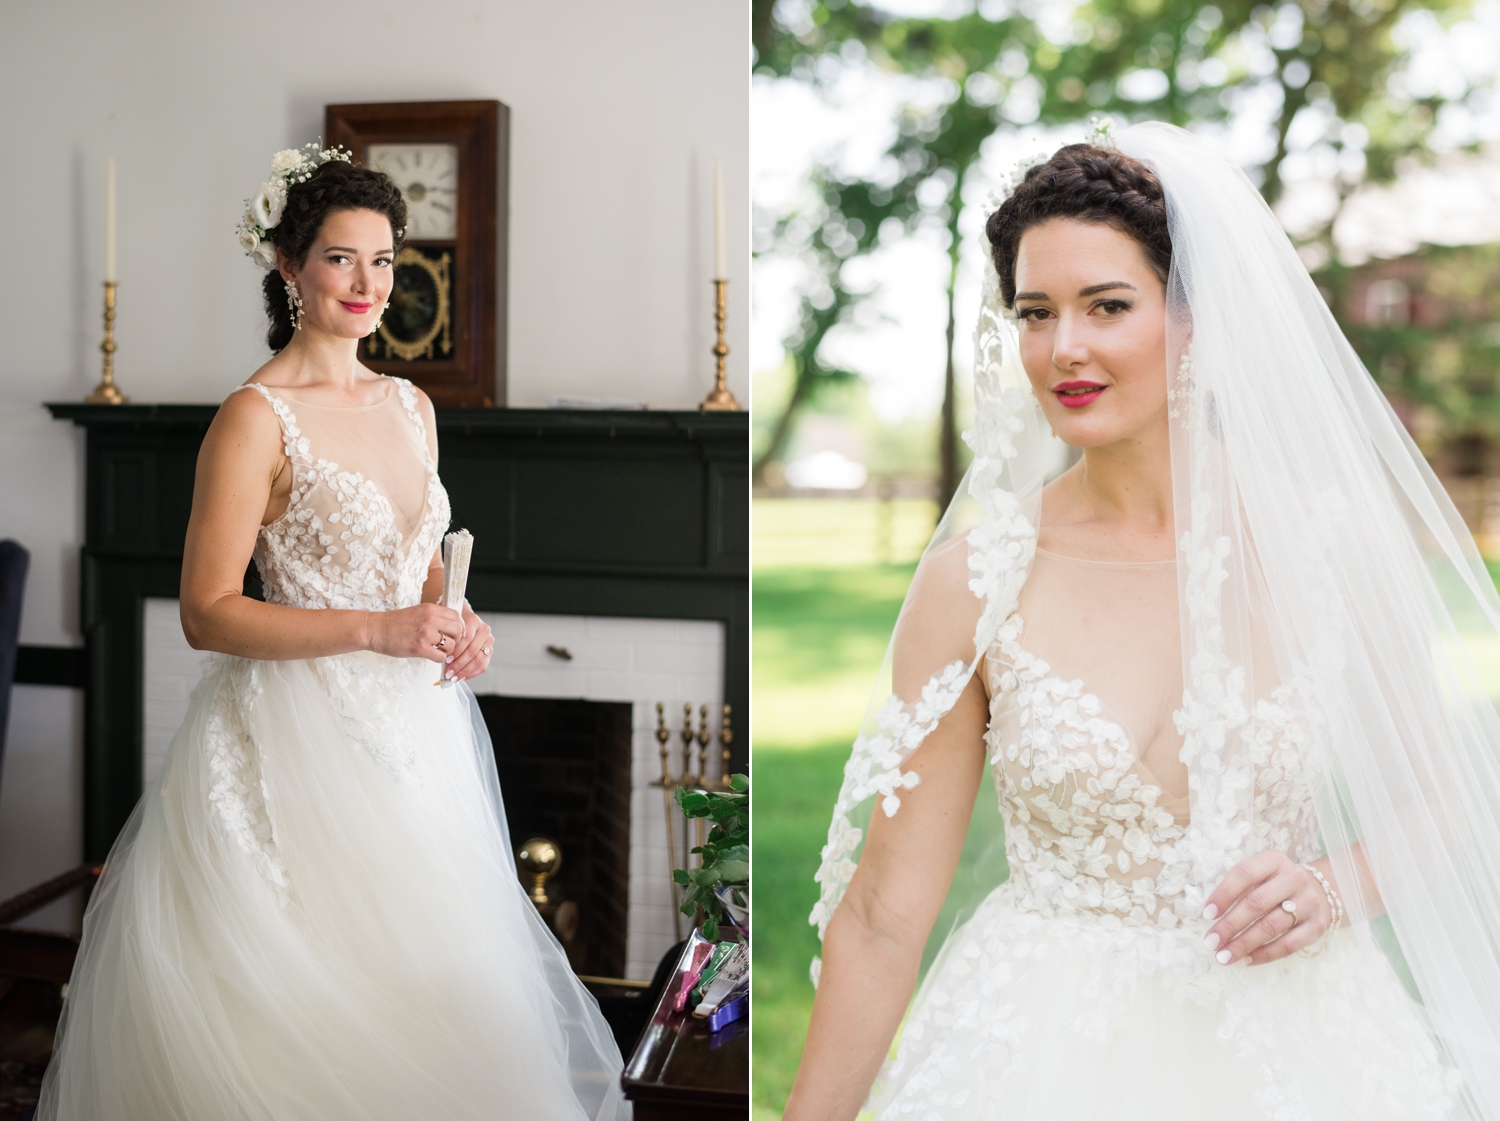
x: 1290, y: 907
x: 486, y: 651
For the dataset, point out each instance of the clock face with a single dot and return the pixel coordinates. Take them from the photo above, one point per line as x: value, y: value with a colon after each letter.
x: 428, y: 177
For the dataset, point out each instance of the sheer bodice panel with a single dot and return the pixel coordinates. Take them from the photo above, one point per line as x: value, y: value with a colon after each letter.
x: 366, y: 512
x: 1085, y: 682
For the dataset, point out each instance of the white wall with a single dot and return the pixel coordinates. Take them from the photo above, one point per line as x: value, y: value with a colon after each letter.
x: 617, y: 113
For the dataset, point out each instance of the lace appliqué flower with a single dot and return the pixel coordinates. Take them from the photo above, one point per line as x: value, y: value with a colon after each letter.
x: 237, y: 794
x: 366, y: 694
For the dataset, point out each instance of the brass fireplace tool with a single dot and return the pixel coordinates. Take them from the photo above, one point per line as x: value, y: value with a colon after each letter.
x: 541, y: 858
x: 690, y: 779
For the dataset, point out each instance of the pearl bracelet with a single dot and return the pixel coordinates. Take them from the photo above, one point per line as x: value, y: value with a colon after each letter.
x: 1335, y: 912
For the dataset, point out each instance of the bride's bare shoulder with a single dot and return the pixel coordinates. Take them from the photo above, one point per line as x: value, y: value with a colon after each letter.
x: 941, y: 607
x: 245, y: 424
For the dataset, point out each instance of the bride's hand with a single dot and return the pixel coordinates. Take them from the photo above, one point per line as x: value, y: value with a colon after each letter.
x: 424, y: 631
x: 1251, y: 919
x: 472, y: 656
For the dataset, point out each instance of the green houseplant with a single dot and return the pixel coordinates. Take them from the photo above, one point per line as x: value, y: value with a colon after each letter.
x: 725, y: 853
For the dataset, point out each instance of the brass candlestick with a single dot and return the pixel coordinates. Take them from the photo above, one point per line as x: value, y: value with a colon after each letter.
x: 719, y: 398
x: 107, y: 392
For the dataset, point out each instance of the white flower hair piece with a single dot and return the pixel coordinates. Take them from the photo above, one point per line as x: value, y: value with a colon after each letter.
x: 1101, y: 134
x: 256, y: 231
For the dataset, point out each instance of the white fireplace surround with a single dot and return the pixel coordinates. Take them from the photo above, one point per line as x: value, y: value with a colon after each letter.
x: 641, y: 661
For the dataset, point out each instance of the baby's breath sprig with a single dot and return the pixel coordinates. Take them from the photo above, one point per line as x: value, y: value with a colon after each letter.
x: 1101, y: 133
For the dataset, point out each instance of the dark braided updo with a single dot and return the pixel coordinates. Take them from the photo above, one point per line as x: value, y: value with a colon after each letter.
x: 333, y: 187
x: 1088, y: 184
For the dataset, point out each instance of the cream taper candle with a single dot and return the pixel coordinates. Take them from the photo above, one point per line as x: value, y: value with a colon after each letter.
x: 720, y: 273
x: 109, y: 221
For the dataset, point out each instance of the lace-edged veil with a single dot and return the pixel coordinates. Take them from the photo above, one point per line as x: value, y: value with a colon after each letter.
x: 1320, y: 564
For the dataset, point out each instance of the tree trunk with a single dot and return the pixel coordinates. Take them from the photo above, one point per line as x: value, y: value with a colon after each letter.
x: 783, y: 430
x: 1292, y: 101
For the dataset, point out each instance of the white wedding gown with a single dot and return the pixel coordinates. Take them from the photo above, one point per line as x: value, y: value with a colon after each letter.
x: 313, y: 914
x: 1081, y: 988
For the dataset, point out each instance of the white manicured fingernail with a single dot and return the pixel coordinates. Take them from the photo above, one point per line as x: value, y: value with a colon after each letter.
x: 449, y: 659
x: 1212, y: 941
x: 1222, y: 957
x: 1210, y: 912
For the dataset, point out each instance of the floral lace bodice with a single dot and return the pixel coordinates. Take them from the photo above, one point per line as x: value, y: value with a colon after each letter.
x: 341, y: 543
x: 1089, y: 828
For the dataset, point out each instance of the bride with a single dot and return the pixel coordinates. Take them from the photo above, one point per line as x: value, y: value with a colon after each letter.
x: 1223, y: 674
x: 313, y: 912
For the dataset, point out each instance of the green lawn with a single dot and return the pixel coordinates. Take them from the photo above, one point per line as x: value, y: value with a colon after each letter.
x: 819, y: 636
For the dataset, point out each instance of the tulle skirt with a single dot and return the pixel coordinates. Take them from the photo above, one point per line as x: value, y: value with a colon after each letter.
x: 314, y: 914
x: 1081, y: 1018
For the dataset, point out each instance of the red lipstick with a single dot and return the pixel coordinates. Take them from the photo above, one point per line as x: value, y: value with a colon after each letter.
x: 1077, y: 394
x: 357, y: 309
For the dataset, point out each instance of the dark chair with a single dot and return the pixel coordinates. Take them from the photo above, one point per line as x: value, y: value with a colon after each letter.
x: 14, y: 562
x: 30, y: 955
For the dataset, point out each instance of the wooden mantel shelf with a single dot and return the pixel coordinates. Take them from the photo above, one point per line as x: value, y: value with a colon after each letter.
x: 647, y: 423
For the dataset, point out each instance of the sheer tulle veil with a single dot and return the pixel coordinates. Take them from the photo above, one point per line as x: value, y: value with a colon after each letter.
x: 1321, y: 566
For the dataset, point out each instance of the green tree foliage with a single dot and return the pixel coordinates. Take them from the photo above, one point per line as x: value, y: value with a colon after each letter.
x: 1332, y: 67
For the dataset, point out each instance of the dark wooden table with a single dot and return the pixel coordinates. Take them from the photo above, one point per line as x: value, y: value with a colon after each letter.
x: 681, y: 1071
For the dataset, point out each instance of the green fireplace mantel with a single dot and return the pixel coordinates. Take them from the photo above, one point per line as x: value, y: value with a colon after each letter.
x: 636, y: 514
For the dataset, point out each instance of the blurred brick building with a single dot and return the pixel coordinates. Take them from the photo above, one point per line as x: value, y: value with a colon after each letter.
x: 1428, y: 329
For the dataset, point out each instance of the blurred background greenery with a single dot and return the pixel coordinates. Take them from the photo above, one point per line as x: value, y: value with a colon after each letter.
x: 1371, y: 126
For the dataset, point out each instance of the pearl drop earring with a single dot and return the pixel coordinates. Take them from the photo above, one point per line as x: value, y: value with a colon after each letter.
x: 380, y: 317
x: 294, y: 303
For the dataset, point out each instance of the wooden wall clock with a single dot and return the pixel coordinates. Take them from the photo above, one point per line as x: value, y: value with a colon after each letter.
x: 445, y: 327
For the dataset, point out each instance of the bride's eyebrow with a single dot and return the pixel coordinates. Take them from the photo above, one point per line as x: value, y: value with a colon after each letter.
x: 1095, y: 289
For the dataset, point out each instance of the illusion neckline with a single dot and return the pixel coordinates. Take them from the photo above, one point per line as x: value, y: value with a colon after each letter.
x: 1106, y: 563
x: 390, y: 389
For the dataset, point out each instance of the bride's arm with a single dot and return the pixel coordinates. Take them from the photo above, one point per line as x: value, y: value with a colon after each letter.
x: 239, y: 482
x: 872, y: 948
